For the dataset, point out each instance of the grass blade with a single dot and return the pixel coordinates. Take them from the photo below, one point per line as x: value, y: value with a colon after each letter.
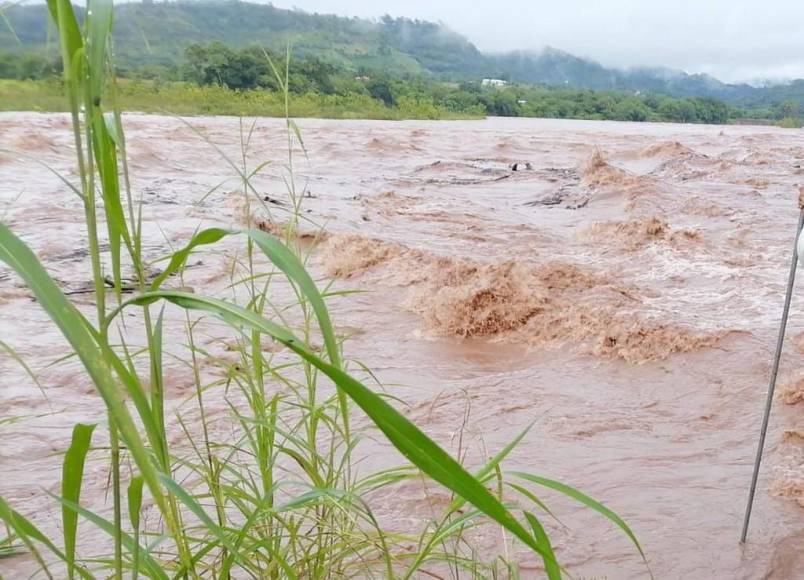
x: 61, y: 11
x: 134, y: 507
x: 178, y: 259
x: 72, y: 476
x: 27, y: 532
x: 482, y: 475
x: 551, y: 566
x: 283, y: 258
x: 403, y: 434
x: 199, y: 512
x: 96, y: 361
x: 157, y: 391
x: 585, y: 500
x: 10, y: 28
x: 146, y: 560
x: 98, y: 31
x: 290, y: 265
x: 18, y: 359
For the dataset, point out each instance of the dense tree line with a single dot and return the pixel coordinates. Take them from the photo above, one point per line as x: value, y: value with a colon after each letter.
x: 28, y: 65
x: 256, y: 68
x: 250, y: 68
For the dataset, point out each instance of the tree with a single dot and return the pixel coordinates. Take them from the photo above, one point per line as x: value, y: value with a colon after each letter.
x: 216, y: 63
x: 380, y: 89
x: 786, y: 109
x: 631, y: 109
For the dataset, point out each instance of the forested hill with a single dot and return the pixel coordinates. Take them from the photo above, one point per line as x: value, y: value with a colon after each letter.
x: 156, y: 34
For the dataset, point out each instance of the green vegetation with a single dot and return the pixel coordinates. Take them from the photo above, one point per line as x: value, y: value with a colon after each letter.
x: 156, y: 35
x: 248, y: 69
x: 183, y: 98
x: 158, y: 41
x: 27, y: 65
x: 151, y: 39
x: 216, y: 79
x: 271, y: 489
x: 382, y: 98
x: 348, y: 67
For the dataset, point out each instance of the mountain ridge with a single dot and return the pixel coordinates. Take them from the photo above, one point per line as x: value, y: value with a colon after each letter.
x: 156, y: 35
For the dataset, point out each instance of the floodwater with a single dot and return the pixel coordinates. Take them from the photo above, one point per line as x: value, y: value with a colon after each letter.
x: 622, y: 294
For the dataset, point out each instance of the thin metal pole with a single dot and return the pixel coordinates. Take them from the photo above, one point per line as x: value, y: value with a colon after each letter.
x: 774, y: 372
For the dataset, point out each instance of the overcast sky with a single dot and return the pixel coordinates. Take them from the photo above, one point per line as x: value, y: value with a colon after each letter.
x: 735, y: 40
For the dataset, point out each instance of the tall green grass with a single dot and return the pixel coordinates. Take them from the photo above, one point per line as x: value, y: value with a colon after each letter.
x: 273, y: 489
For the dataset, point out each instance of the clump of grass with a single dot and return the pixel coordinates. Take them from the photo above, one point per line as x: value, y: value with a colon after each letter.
x: 271, y: 489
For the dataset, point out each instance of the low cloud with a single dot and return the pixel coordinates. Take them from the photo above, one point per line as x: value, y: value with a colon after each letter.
x: 734, y: 40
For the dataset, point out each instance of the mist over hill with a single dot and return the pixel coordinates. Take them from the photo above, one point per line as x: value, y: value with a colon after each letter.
x: 156, y: 34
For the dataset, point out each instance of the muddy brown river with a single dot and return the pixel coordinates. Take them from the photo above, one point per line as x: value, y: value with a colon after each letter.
x: 621, y: 291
